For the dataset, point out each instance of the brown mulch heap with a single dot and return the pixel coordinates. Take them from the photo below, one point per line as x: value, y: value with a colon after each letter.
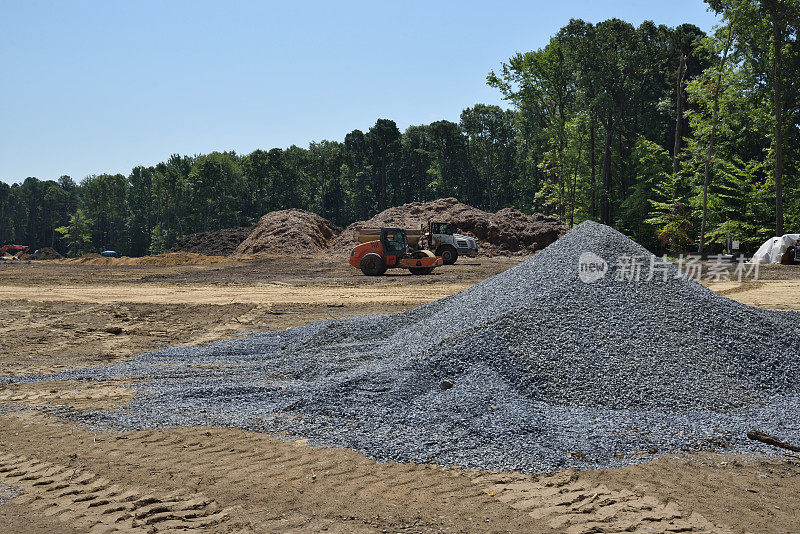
x: 45, y: 253
x: 288, y: 232
x: 509, y: 231
x: 220, y: 243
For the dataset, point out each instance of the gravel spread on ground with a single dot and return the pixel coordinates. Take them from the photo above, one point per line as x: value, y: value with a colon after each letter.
x: 8, y: 493
x: 532, y: 369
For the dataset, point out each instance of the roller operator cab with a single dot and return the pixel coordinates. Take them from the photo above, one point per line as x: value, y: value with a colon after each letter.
x: 391, y: 251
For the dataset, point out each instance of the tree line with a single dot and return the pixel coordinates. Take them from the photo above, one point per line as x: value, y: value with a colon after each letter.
x: 148, y: 210
x: 678, y: 138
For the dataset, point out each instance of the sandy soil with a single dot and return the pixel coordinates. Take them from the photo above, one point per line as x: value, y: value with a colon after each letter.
x: 57, y: 315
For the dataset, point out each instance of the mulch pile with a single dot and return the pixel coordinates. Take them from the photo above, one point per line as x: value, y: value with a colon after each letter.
x: 508, y: 231
x: 220, y: 243
x: 289, y: 231
x: 45, y: 253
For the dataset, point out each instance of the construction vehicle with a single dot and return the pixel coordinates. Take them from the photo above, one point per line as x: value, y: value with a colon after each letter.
x: 15, y: 251
x: 439, y: 236
x: 434, y: 235
x: 389, y: 251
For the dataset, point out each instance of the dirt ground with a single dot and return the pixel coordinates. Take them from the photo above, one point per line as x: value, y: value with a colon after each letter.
x: 56, y: 476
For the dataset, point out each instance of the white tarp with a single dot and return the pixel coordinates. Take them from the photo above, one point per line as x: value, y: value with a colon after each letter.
x: 774, y: 248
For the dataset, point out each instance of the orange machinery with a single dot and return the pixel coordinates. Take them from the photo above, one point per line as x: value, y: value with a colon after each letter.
x: 390, y: 251
x: 15, y: 251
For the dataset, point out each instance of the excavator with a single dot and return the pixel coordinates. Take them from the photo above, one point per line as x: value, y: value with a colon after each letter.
x: 15, y: 251
x: 390, y: 251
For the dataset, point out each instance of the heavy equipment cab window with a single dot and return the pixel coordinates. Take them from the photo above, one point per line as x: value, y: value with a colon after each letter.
x: 396, y: 242
x: 442, y: 228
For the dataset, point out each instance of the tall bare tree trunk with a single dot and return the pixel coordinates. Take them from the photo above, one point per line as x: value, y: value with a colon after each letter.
x: 322, y: 196
x: 605, y: 203
x: 679, y: 120
x: 777, y: 42
x: 575, y: 179
x: 714, y: 121
x: 593, y: 163
x: 382, y: 188
x: 489, y: 167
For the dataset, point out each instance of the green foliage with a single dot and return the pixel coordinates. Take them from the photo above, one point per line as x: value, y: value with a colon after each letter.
x: 671, y: 216
x: 491, y: 145
x: 77, y: 234
x: 652, y: 205
x: 658, y: 203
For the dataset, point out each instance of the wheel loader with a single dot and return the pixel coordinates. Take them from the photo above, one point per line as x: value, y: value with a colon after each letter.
x: 439, y: 236
x: 390, y: 251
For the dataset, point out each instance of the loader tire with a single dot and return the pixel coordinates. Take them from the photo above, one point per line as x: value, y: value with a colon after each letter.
x: 448, y: 253
x: 372, y: 264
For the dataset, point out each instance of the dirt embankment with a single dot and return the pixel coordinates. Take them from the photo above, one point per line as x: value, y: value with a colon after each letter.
x: 289, y: 231
x: 171, y: 258
x: 508, y: 231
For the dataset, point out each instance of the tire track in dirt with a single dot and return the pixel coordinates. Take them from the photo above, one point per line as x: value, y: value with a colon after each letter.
x: 95, y: 504
x: 295, y: 465
x: 563, y: 501
x: 273, y: 485
x: 94, y: 395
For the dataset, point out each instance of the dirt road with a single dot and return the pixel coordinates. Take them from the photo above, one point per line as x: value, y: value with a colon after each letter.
x: 58, y: 477
x: 65, y: 315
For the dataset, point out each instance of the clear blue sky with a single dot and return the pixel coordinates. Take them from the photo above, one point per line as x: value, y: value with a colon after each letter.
x: 93, y: 87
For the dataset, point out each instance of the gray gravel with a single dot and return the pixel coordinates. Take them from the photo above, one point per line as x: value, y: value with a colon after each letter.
x: 8, y: 492
x: 542, y: 366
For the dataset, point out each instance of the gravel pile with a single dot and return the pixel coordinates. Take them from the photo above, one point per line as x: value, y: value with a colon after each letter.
x: 532, y: 369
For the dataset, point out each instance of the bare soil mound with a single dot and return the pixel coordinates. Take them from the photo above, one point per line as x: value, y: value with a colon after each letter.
x: 45, y: 253
x: 219, y: 243
x: 289, y: 231
x: 171, y: 258
x: 506, y: 232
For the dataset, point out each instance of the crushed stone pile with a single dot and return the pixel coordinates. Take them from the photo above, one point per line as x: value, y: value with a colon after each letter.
x: 45, y: 253
x: 289, y: 231
x: 219, y: 243
x: 532, y: 369
x: 504, y: 232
